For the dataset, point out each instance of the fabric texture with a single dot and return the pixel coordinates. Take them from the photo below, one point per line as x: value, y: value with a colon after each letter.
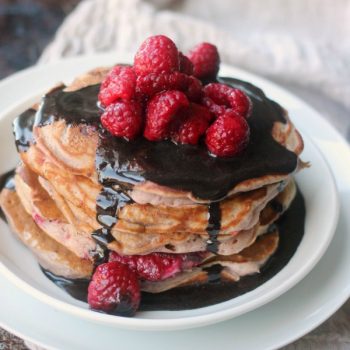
x: 301, y: 44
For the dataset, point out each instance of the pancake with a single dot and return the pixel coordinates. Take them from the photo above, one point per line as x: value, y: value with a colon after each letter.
x: 47, y: 215
x: 174, y: 243
x: 131, y: 243
x: 81, y: 193
x: 50, y: 254
x: 57, y: 259
x: 233, y: 267
x: 244, y: 209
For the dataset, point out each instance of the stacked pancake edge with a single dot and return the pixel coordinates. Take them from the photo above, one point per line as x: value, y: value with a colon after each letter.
x: 52, y: 209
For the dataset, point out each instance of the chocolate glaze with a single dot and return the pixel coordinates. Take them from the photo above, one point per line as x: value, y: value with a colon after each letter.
x: 7, y: 181
x: 75, y: 107
x: 23, y: 129
x: 214, y: 272
x: 276, y: 206
x: 291, y: 230
x: 101, y: 253
x: 165, y: 163
x: 77, y: 288
x: 207, y: 177
x: 111, y: 199
x: 214, y: 226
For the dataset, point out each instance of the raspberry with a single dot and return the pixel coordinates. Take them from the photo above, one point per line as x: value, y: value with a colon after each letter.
x: 123, y: 119
x: 224, y: 95
x: 160, y: 113
x: 158, y: 266
x: 157, y: 54
x: 193, y: 124
x: 214, y: 108
x: 241, y: 103
x: 186, y: 65
x: 151, y: 84
x: 194, y: 89
x: 206, y: 61
x: 114, y: 288
x: 119, y: 83
x: 228, y: 135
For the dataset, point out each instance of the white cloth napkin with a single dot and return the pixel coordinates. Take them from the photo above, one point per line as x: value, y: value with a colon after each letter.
x: 301, y: 44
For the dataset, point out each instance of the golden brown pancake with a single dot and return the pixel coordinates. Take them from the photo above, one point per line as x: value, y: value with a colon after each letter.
x: 57, y: 259
x: 50, y: 254
x: 53, y: 208
x: 239, y: 230
x: 234, y: 266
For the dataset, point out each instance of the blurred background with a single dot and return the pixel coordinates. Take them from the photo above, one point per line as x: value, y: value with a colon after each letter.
x: 303, y: 45
x: 26, y: 27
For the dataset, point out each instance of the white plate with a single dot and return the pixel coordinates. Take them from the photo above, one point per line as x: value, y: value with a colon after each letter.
x: 316, y: 184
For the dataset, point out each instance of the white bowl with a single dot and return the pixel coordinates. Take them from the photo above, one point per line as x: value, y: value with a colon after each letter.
x: 316, y: 184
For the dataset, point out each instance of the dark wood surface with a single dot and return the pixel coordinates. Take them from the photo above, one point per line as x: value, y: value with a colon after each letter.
x: 26, y: 27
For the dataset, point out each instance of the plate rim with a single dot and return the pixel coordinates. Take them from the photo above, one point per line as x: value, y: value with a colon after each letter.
x: 169, y: 323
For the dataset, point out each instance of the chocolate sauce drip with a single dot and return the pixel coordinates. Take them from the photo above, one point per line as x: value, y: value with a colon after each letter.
x: 112, y: 197
x: 167, y: 164
x: 276, y: 206
x: 111, y: 165
x: 101, y: 253
x: 109, y: 202
x: 291, y: 231
x: 214, y: 226
x: 103, y: 236
x: 214, y: 272
x: 77, y: 288
x: 7, y: 181
x: 23, y: 129
x: 75, y: 107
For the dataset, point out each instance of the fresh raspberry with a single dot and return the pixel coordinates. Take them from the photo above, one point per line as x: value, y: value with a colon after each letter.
x: 228, y: 135
x: 213, y: 107
x: 192, y: 125
x: 119, y: 83
x: 241, y: 103
x: 158, y: 266
x: 194, y: 89
x: 161, y: 111
x: 150, y: 84
x: 123, y: 119
x: 186, y: 65
x: 224, y: 95
x: 206, y: 61
x: 114, y: 288
x: 157, y: 54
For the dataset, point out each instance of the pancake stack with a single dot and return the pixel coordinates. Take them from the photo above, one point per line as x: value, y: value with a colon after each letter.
x: 80, y: 194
